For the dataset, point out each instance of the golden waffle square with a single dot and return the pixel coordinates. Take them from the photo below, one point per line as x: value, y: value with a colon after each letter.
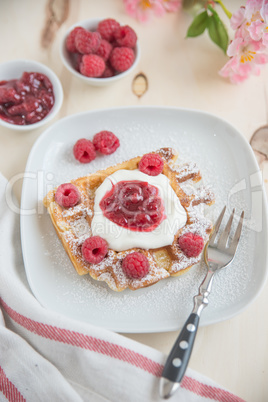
x: 73, y: 225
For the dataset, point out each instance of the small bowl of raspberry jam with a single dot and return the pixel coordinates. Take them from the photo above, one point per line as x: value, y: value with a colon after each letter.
x: 100, y: 51
x: 30, y: 94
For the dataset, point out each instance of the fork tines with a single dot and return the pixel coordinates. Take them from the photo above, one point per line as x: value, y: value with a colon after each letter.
x: 224, y: 237
x: 235, y: 240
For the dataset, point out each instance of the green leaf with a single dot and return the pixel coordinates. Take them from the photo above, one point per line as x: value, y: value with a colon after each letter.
x: 198, y: 25
x: 217, y: 31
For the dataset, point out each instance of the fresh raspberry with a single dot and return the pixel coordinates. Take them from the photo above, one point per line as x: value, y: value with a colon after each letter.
x: 67, y: 195
x: 125, y: 36
x: 105, y: 142
x: 70, y: 41
x: 191, y: 244
x: 104, y: 49
x: 108, y: 72
x: 94, y: 249
x: 84, y: 151
x: 107, y: 28
x: 151, y: 164
x: 87, y: 42
x: 92, y: 65
x: 122, y: 58
x: 135, y: 265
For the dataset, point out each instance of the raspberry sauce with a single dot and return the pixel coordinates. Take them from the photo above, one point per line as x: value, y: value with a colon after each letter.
x: 26, y: 100
x: 135, y: 205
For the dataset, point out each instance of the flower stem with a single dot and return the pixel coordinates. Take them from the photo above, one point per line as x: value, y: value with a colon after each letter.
x: 227, y: 12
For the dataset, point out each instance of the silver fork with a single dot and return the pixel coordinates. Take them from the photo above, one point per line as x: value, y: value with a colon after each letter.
x: 219, y: 253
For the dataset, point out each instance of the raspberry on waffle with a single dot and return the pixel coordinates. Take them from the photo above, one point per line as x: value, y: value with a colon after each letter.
x: 74, y: 225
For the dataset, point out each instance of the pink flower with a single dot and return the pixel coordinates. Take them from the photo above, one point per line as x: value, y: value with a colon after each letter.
x: 172, y: 5
x: 245, y: 56
x: 237, y: 18
x: 143, y: 10
x: 252, y: 20
x: 252, y: 8
x: 249, y: 49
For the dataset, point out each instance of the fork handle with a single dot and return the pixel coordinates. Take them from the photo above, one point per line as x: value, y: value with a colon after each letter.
x: 180, y: 354
x: 179, y: 357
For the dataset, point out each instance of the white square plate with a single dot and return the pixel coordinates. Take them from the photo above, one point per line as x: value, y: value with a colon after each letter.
x: 226, y: 162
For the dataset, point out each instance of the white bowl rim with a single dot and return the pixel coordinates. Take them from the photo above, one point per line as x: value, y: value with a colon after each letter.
x: 92, y: 79
x: 58, y: 98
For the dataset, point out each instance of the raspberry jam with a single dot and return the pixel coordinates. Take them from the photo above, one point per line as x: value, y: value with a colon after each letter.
x: 26, y: 100
x: 135, y: 205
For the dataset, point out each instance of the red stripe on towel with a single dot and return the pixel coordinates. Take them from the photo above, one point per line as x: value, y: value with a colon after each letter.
x: 115, y: 351
x: 8, y: 389
x: 207, y: 391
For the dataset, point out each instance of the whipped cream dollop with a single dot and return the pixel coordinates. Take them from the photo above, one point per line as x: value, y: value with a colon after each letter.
x: 120, y: 238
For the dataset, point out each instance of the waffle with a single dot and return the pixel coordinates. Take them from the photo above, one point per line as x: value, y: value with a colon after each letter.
x: 73, y: 225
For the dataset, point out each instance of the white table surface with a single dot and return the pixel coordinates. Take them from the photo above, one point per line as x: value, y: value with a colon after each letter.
x: 182, y: 73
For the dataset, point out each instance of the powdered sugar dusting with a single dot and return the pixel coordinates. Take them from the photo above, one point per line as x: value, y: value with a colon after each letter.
x: 75, y: 210
x: 185, y: 170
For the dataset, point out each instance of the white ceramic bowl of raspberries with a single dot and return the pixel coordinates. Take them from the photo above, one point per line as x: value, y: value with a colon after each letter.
x: 100, y: 51
x: 30, y: 94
